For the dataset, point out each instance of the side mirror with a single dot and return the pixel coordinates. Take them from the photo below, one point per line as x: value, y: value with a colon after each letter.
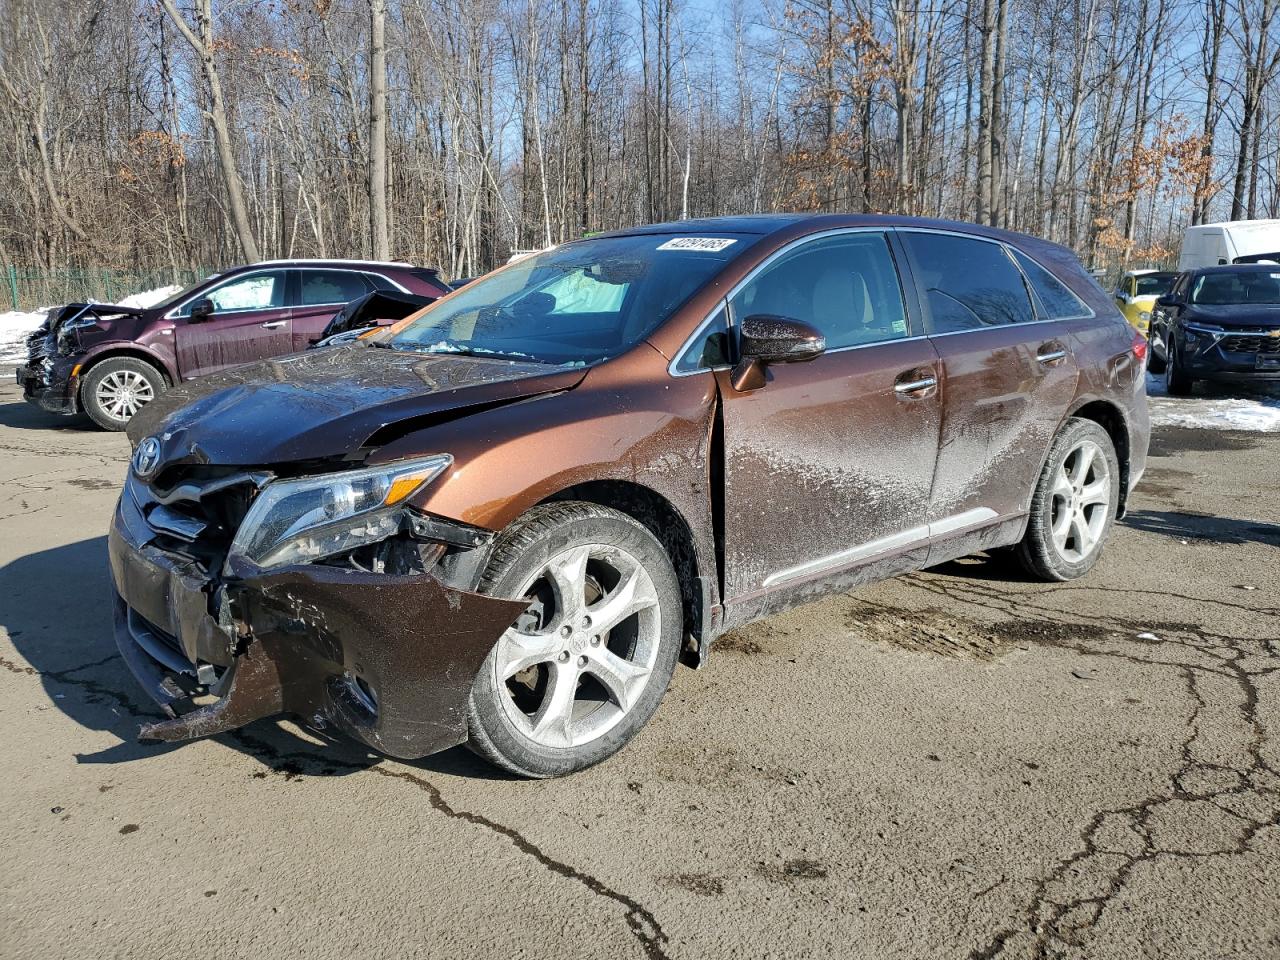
x: 202, y: 309
x: 1167, y: 301
x: 773, y: 339
x: 766, y: 338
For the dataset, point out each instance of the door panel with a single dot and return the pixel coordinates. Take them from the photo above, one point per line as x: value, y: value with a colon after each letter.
x: 250, y: 322
x: 1008, y: 376
x: 824, y: 464
x: 829, y: 465
x: 1004, y: 394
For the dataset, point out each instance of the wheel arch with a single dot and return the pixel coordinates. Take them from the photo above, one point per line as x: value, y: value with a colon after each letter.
x: 131, y: 351
x: 1111, y: 418
x: 665, y: 521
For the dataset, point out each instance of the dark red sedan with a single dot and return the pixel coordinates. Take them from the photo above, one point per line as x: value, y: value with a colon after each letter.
x: 109, y: 361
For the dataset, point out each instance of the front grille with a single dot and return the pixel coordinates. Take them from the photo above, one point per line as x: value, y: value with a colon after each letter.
x: 197, y: 510
x: 1244, y: 343
x: 1250, y: 343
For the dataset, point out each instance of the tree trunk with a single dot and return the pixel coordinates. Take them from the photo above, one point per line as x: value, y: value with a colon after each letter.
x: 381, y: 239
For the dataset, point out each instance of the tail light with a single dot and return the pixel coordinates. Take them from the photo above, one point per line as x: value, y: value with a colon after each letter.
x: 1139, y: 347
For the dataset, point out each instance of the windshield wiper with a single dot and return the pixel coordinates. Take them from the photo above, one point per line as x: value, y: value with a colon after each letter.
x: 446, y: 349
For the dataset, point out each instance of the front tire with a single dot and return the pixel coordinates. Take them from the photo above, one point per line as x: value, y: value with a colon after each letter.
x: 585, y: 667
x: 1155, y: 363
x: 117, y: 388
x: 1074, y: 504
x: 1176, y: 379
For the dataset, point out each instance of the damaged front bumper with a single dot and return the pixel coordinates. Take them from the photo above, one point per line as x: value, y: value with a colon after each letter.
x: 389, y: 659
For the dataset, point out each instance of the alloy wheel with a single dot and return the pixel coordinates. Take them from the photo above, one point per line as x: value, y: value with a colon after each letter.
x: 1081, y: 501
x: 577, y: 661
x: 122, y: 393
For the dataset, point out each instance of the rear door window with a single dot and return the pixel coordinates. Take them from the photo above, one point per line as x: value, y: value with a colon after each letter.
x: 967, y: 284
x: 1058, y: 301
x: 845, y: 285
x: 322, y: 287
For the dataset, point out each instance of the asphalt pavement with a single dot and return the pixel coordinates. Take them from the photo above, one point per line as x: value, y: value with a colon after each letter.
x: 957, y: 763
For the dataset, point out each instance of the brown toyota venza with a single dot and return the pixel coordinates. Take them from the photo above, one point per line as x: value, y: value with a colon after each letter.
x: 503, y: 520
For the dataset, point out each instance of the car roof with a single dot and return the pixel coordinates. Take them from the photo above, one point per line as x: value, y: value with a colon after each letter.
x: 765, y: 224
x: 328, y: 262
x: 1238, y: 268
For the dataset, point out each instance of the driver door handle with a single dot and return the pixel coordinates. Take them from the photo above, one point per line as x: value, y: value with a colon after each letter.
x: 912, y: 384
x: 273, y: 324
x: 1051, y: 353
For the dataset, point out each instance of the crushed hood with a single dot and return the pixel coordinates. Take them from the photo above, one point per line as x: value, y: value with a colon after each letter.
x: 330, y: 403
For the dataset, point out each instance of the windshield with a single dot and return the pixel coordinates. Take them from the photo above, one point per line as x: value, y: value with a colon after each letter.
x: 1155, y: 284
x: 1226, y: 288
x: 580, y: 303
x: 177, y: 297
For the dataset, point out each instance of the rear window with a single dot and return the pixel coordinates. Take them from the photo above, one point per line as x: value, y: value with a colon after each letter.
x: 968, y: 284
x: 1058, y: 301
x: 331, y: 286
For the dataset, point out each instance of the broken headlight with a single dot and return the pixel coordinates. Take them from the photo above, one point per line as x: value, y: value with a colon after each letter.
x: 68, y: 342
x: 298, y: 521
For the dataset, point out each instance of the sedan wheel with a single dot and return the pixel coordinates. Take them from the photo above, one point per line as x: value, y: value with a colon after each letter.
x: 1074, y: 504
x: 1081, y: 501
x: 574, y: 668
x: 115, y: 390
x: 586, y: 664
x: 122, y: 393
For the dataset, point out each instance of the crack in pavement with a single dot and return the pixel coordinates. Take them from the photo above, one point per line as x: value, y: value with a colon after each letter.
x: 1067, y: 904
x: 640, y: 920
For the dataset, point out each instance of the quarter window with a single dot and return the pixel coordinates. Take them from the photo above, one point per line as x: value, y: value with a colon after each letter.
x: 708, y: 349
x: 1058, y: 301
x: 968, y: 284
x: 331, y: 286
x: 257, y: 291
x: 844, y: 285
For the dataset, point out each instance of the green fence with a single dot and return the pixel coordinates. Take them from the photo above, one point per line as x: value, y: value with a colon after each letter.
x: 29, y: 288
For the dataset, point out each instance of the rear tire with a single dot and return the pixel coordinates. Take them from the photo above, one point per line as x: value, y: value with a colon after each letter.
x: 117, y: 388
x: 1074, y: 504
x: 1177, y: 381
x: 1155, y: 363
x: 585, y: 667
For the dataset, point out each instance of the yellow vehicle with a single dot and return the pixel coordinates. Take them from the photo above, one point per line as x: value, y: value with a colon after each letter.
x: 1137, y: 292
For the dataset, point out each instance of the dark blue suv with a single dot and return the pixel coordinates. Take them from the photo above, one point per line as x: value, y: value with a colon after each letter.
x: 1218, y: 323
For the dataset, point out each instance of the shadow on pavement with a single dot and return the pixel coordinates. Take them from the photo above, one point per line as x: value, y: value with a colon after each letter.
x: 1201, y: 526
x: 25, y: 416
x: 56, y: 606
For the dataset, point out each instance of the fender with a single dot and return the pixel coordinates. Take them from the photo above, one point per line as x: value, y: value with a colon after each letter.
x: 130, y: 348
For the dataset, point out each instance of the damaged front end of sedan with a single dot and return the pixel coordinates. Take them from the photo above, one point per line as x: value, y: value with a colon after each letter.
x: 242, y: 595
x: 264, y: 563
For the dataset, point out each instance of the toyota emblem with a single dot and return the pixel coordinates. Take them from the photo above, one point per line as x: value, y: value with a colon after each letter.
x: 146, y: 458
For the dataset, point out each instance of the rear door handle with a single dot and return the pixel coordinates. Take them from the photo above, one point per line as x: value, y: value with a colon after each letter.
x: 914, y: 383
x: 273, y: 324
x: 1051, y: 353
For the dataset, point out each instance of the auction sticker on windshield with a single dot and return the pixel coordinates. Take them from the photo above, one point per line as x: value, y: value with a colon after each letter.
x: 702, y: 244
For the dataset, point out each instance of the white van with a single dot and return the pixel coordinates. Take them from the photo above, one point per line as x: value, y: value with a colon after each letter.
x: 1238, y: 241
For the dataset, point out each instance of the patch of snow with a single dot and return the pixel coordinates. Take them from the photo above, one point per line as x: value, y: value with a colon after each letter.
x: 1256, y: 410
x: 17, y: 325
x: 149, y: 298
